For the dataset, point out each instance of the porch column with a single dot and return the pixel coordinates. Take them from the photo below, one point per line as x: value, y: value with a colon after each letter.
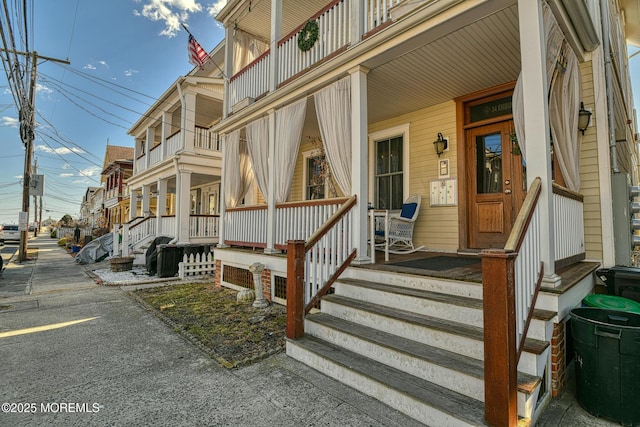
x: 133, y: 203
x: 188, y: 127
x: 359, y: 162
x: 276, y: 34
x: 228, y: 68
x: 161, y: 204
x: 148, y: 145
x: 536, y: 126
x: 146, y: 201
x: 222, y: 206
x: 136, y: 154
x: 357, y: 21
x: 271, y: 197
x: 166, y: 131
x: 183, y: 191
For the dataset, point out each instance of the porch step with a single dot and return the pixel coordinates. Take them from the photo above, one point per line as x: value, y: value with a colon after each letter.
x: 455, y: 337
x: 427, y: 402
x: 462, y: 374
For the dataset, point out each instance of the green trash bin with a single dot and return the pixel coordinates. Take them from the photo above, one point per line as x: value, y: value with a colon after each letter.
x: 607, y: 363
x: 611, y: 302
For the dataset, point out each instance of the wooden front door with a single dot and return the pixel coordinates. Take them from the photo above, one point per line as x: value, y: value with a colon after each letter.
x: 495, y: 184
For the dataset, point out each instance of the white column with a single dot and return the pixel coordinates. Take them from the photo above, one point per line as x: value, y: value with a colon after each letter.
x: 166, y: 132
x: 228, y: 68
x: 222, y: 205
x: 189, y: 120
x: 146, y: 201
x: 276, y: 34
x: 136, y: 154
x: 133, y: 203
x: 148, y: 145
x: 161, y: 204
x: 536, y: 126
x: 359, y: 162
x: 357, y: 21
x: 184, y: 206
x: 271, y: 186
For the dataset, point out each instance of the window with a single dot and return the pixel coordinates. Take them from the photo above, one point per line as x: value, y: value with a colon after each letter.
x: 315, y: 179
x: 389, y: 174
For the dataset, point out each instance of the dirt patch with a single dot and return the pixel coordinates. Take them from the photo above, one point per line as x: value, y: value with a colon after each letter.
x: 234, y: 333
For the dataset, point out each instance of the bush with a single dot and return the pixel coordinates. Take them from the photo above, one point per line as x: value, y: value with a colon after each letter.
x: 54, y: 233
x: 62, y: 242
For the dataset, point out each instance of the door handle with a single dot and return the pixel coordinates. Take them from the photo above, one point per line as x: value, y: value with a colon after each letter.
x: 507, y: 191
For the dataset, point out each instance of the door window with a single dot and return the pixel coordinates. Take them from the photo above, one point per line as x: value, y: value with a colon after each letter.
x: 489, y: 163
x: 389, y: 174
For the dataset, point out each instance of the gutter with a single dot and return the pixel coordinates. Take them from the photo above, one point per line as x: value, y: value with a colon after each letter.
x: 608, y: 72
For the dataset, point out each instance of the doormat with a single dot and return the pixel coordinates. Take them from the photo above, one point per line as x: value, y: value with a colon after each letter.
x: 438, y: 263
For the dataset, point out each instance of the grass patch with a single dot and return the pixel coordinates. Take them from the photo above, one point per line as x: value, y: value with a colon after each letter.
x: 235, y: 333
x: 4, y: 307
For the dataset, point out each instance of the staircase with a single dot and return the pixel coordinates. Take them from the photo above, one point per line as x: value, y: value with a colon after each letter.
x: 416, y: 344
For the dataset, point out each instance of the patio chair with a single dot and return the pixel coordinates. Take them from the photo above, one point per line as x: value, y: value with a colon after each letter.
x: 398, y: 238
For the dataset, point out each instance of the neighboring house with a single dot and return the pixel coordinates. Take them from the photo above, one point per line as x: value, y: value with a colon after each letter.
x: 117, y: 168
x: 373, y: 90
x: 96, y: 208
x: 178, y: 160
x: 86, y: 206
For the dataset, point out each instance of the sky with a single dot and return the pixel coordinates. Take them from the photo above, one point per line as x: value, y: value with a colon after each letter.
x: 124, y: 54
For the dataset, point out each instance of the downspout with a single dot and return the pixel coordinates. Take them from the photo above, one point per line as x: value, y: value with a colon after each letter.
x: 608, y: 73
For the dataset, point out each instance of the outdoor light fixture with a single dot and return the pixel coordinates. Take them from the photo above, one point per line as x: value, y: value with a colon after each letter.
x: 584, y: 118
x: 441, y: 144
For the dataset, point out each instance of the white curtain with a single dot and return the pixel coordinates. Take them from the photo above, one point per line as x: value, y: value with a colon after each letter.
x: 564, y: 103
x: 246, y: 48
x: 289, y: 123
x: 258, y: 145
x: 237, y: 170
x: 554, y: 38
x: 333, y: 107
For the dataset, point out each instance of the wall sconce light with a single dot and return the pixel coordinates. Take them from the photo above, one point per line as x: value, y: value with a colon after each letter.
x: 441, y: 145
x: 584, y: 118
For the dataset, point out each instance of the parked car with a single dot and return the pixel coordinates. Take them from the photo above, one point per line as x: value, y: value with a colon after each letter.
x: 11, y: 232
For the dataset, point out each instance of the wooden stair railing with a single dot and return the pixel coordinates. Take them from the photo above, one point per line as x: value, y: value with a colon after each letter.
x: 335, y: 255
x: 506, y: 320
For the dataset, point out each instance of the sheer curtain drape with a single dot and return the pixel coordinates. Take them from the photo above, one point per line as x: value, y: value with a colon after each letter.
x: 246, y: 48
x: 289, y: 123
x: 258, y: 145
x: 564, y: 104
x: 238, y: 173
x: 554, y: 38
x: 333, y: 107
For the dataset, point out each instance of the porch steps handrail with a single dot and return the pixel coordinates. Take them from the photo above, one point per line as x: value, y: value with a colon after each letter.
x: 511, y: 280
x: 313, y: 265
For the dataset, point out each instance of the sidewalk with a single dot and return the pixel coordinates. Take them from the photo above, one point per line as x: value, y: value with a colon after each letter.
x: 65, y: 339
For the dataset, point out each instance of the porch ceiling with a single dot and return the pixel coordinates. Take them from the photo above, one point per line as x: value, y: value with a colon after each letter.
x: 416, y: 75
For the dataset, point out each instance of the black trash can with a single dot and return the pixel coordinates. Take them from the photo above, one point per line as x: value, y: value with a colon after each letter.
x: 621, y: 281
x: 607, y: 357
x: 168, y: 258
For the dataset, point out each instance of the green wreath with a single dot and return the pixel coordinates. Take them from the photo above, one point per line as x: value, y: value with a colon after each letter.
x: 308, y: 36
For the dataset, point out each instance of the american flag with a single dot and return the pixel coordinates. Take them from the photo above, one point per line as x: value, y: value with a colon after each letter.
x: 197, y: 55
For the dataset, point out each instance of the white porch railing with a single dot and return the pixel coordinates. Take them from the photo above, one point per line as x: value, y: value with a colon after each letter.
x: 247, y: 226
x: 174, y: 143
x: 204, y: 225
x: 155, y: 155
x: 250, y: 82
x: 376, y: 12
x: 568, y: 223
x: 333, y: 34
x: 167, y: 226
x: 140, y: 163
x: 207, y: 140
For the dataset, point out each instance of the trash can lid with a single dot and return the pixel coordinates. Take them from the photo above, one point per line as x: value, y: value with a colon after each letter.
x: 612, y: 302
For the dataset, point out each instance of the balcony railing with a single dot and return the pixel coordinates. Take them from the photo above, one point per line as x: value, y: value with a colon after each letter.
x: 174, y: 144
x: 250, y: 82
x: 155, y: 155
x: 207, y: 140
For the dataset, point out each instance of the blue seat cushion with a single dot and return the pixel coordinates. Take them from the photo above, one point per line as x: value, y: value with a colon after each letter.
x: 408, y: 210
x: 380, y: 233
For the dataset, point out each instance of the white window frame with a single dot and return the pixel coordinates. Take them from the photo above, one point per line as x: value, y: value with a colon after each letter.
x: 392, y: 132
x: 305, y: 169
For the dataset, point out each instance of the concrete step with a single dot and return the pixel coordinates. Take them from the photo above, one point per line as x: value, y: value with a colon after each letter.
x: 420, y: 399
x: 448, y: 335
x: 459, y: 373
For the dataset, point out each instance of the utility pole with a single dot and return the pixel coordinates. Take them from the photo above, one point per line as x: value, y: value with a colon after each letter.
x: 35, y: 203
x: 26, y: 113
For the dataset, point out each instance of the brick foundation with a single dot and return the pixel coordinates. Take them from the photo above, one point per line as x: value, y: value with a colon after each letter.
x: 218, y: 280
x: 558, y: 359
x: 266, y: 284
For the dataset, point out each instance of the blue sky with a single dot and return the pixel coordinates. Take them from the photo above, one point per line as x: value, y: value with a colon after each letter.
x: 123, y: 54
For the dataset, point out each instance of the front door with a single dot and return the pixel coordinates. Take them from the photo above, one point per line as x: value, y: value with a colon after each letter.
x: 495, y: 181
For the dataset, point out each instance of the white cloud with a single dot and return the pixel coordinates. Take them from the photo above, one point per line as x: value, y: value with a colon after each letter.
x: 171, y: 12
x: 9, y: 121
x: 216, y: 7
x: 103, y: 63
x: 91, y: 171
x: 130, y: 72
x: 89, y: 67
x: 65, y: 175
x: 60, y: 151
x: 42, y: 89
